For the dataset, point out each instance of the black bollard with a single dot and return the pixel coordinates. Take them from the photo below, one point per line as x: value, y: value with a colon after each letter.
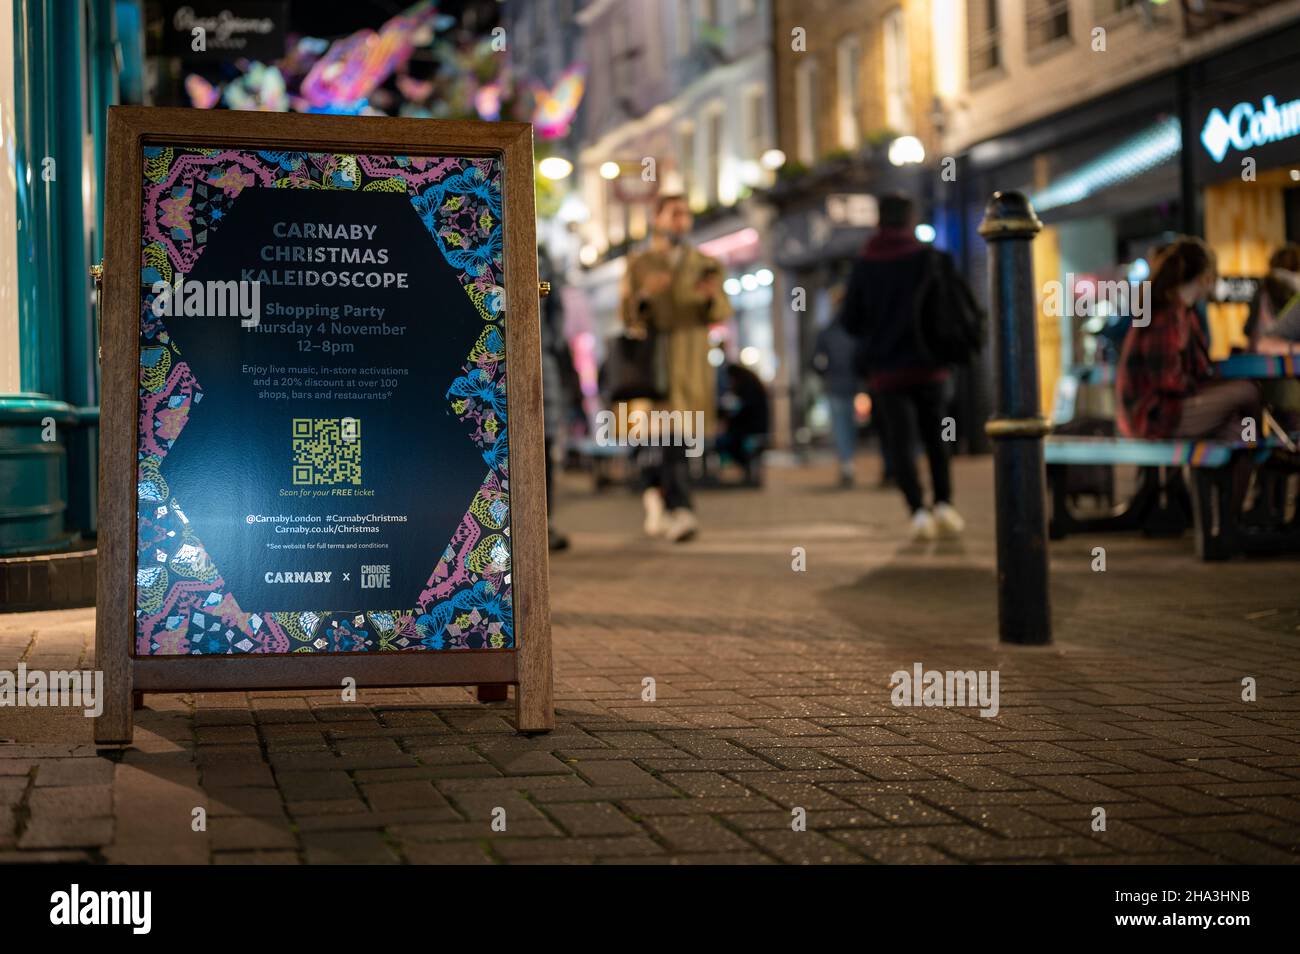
x: 1018, y: 427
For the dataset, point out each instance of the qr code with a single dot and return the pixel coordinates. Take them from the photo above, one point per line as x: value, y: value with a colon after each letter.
x: 326, y: 450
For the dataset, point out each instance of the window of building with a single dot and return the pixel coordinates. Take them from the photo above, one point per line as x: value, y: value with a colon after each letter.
x: 755, y: 122
x: 638, y: 223
x: 848, y: 59
x: 615, y: 232
x: 1106, y: 8
x: 805, y: 98
x: 898, y: 78
x: 686, y: 158
x: 621, y: 58
x: 983, y: 36
x: 1046, y: 21
x: 713, y: 154
x: 685, y: 27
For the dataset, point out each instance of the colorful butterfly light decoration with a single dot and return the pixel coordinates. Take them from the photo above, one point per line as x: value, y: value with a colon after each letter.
x: 355, y: 66
x: 203, y: 95
x: 487, y: 101
x: 556, y: 107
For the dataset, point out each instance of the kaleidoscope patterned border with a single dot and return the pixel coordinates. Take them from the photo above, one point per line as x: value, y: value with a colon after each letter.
x: 183, y: 606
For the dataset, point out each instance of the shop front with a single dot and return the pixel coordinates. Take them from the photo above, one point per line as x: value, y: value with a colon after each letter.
x: 1212, y: 149
x: 1245, y: 109
x: 1104, y: 178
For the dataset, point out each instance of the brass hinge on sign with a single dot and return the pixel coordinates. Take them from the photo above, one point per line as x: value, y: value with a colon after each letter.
x: 543, y: 289
x: 97, y: 276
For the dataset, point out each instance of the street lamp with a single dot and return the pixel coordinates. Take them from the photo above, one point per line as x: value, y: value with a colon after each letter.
x: 906, y: 150
x: 555, y: 167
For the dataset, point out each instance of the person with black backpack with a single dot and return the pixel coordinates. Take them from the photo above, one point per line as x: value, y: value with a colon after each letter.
x: 914, y: 317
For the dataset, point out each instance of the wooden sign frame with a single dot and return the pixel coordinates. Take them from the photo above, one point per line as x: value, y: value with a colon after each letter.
x: 527, y: 666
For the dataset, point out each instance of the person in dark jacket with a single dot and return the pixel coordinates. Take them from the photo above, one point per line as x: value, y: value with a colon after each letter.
x: 909, y: 389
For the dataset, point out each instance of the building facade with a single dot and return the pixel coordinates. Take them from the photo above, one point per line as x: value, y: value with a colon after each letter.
x: 543, y: 43
x: 1100, y: 110
x: 679, y: 100
x: 857, y: 84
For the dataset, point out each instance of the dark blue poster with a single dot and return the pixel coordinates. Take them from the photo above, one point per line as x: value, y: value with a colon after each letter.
x: 323, y: 452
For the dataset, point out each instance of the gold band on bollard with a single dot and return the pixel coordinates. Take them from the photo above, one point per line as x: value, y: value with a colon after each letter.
x: 1010, y: 226
x: 996, y: 228
x: 1001, y: 427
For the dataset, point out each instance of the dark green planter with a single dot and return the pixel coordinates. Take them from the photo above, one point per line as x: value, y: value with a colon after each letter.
x: 34, y: 475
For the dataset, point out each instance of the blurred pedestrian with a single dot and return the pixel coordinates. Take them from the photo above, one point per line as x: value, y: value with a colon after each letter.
x: 1273, y: 327
x: 835, y: 360
x: 555, y: 397
x: 907, y: 384
x: 1279, y: 290
x: 743, y: 420
x: 674, y: 291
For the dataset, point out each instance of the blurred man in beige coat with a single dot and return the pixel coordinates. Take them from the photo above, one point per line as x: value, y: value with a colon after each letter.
x: 675, y: 290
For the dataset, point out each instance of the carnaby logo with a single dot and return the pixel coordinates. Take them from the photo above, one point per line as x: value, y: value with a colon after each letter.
x: 300, y: 576
x: 1245, y: 126
x: 75, y: 907
x: 375, y: 576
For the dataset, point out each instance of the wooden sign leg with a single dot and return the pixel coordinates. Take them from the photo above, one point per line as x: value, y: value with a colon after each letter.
x: 534, y: 695
x: 115, y: 725
x: 113, y: 630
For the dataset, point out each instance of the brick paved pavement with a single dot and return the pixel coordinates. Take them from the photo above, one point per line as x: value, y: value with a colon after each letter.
x: 771, y: 694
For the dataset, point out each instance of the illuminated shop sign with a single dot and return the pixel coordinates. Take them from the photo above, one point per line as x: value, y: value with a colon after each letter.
x: 1247, y: 126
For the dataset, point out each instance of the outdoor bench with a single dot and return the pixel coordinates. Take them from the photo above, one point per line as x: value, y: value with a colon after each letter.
x: 1162, y: 503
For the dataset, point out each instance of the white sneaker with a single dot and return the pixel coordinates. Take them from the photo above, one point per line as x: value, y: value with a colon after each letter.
x: 653, y: 502
x: 923, y: 527
x: 949, y: 520
x: 680, y: 525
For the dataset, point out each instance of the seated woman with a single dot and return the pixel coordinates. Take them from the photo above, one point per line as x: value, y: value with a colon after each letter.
x: 1274, y: 328
x: 1164, y: 377
x: 1274, y: 323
